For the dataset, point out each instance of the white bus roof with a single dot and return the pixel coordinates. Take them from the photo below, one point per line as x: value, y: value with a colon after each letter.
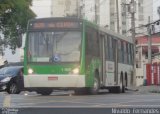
x: 116, y: 35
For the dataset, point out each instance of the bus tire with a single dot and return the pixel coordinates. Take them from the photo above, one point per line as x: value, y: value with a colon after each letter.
x: 80, y: 91
x: 121, y: 88
x: 118, y: 89
x: 95, y: 89
x: 122, y: 85
x: 111, y: 90
x: 45, y: 92
x: 114, y: 90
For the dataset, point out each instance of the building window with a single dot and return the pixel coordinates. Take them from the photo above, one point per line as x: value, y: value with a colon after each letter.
x: 141, y: 10
x: 123, y: 23
x: 123, y: 14
x: 112, y: 14
x: 123, y: 31
x: 141, y: 17
x: 141, y: 1
x: 112, y: 23
x: 138, y: 64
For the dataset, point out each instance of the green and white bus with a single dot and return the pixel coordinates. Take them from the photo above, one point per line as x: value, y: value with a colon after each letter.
x: 70, y: 53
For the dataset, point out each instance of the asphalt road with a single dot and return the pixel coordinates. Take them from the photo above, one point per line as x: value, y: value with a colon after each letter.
x: 68, y: 99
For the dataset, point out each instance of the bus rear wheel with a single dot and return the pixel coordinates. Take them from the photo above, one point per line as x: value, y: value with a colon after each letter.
x: 121, y: 88
x: 122, y: 85
x: 118, y: 89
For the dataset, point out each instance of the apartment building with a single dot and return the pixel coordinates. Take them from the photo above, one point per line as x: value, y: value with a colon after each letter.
x: 120, y: 17
x: 142, y: 55
x: 64, y: 8
x: 112, y: 14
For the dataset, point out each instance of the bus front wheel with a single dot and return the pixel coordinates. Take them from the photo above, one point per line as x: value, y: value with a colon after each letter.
x: 45, y: 92
x: 80, y: 91
x: 95, y: 89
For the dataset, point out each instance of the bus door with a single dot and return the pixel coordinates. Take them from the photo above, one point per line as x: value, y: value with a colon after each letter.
x: 115, y: 59
x: 102, y: 55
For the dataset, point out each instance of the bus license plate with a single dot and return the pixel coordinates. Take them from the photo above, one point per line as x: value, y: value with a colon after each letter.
x: 52, y: 78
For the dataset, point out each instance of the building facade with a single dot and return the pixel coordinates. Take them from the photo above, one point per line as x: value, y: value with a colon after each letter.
x: 120, y: 15
x: 112, y: 14
x: 64, y: 8
x: 142, y: 55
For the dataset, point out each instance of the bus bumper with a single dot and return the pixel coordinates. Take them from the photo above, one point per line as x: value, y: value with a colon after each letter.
x: 55, y: 81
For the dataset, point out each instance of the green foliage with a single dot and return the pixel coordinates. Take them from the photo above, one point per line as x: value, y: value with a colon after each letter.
x: 14, y: 16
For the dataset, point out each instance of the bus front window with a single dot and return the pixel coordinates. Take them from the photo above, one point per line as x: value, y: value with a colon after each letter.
x: 54, y: 46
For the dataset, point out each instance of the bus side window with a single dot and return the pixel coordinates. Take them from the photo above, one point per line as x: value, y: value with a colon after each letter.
x: 107, y: 48
x: 119, y: 52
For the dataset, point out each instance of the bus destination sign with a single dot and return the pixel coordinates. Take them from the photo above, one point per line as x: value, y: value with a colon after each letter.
x: 54, y: 25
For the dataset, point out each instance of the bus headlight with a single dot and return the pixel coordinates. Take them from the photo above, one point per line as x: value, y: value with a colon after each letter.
x: 30, y: 71
x: 75, y: 71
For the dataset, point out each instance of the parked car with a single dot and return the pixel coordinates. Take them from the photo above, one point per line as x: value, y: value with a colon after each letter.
x: 11, y: 79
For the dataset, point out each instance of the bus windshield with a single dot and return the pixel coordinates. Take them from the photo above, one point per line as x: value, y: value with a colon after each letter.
x: 53, y: 47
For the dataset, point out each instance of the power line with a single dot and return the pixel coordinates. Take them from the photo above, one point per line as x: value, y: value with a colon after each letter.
x: 40, y: 6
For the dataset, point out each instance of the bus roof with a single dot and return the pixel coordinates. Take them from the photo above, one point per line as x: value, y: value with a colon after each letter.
x: 110, y: 32
x: 103, y: 30
x: 116, y: 35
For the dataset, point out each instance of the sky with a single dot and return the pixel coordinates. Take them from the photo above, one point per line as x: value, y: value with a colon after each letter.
x: 42, y: 9
x: 155, y: 5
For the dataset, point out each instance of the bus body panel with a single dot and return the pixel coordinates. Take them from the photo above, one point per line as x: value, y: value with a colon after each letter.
x: 92, y: 62
x: 54, y: 81
x: 90, y: 72
x: 110, y: 68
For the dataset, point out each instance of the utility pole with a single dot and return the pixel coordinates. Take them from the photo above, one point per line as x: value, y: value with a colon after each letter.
x: 52, y: 8
x: 149, y: 42
x: 133, y: 11
x: 117, y: 11
x: 97, y: 8
x: 80, y: 8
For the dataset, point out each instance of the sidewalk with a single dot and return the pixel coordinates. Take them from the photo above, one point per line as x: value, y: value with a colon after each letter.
x: 149, y: 89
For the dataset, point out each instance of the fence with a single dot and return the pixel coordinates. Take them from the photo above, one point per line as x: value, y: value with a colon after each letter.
x: 153, y: 74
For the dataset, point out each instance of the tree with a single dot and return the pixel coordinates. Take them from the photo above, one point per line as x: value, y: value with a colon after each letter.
x: 14, y: 16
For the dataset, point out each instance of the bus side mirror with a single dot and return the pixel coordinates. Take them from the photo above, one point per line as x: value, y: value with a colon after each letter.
x: 19, y: 37
x: 19, y: 41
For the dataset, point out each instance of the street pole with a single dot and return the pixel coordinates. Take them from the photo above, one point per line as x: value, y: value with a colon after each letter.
x: 117, y: 8
x: 133, y: 11
x: 51, y: 8
x: 149, y: 42
x: 97, y: 6
x: 78, y: 9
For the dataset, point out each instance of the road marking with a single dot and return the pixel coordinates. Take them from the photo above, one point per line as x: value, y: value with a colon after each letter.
x: 7, y: 101
x: 94, y: 106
